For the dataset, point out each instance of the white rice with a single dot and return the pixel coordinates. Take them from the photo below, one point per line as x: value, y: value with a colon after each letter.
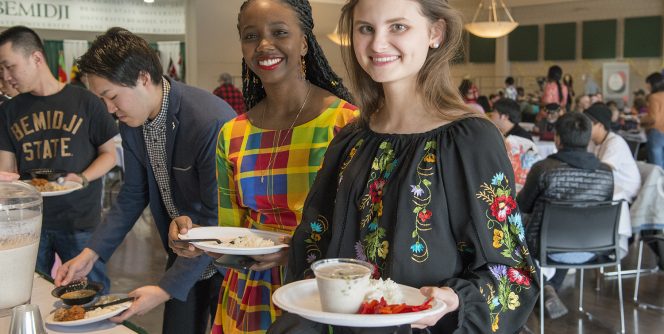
x: 246, y: 241
x: 387, y: 289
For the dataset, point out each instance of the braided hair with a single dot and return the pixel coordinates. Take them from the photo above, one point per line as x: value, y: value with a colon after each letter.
x: 318, y: 70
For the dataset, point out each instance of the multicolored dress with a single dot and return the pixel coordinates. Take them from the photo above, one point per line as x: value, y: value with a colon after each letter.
x: 429, y: 209
x: 263, y: 179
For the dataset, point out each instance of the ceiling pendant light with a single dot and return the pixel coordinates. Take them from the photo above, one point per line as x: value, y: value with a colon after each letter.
x: 493, y: 27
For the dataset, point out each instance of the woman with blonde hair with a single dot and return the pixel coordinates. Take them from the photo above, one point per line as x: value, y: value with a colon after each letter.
x: 422, y: 187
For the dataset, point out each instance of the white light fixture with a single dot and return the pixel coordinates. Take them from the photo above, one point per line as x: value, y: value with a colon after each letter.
x: 493, y: 27
x: 337, y: 38
x: 148, y: 1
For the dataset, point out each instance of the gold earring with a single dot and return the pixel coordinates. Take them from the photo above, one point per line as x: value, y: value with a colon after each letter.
x: 304, y: 68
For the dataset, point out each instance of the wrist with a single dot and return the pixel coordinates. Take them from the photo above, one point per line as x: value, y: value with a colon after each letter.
x: 84, y: 180
x: 90, y: 255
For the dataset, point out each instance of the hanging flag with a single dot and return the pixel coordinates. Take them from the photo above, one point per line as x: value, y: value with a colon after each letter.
x: 62, y: 75
x: 181, y: 65
x: 74, y: 70
x: 172, y: 70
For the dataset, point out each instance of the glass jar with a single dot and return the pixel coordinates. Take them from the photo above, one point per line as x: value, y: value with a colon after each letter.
x: 20, y: 228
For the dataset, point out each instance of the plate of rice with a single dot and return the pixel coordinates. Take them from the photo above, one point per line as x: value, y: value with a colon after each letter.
x: 49, y: 188
x: 76, y: 316
x: 236, y: 240
x: 302, y: 298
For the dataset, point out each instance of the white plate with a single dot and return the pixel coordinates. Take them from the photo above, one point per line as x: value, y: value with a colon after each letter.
x: 302, y: 298
x: 70, y: 186
x: 230, y: 233
x: 120, y: 308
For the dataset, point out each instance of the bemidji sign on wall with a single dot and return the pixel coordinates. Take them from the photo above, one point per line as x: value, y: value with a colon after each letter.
x: 95, y: 15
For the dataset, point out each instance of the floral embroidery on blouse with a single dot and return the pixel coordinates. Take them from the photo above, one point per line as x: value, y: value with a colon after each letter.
x: 373, y: 247
x: 350, y: 157
x: 317, y: 227
x: 421, y: 199
x: 504, y: 222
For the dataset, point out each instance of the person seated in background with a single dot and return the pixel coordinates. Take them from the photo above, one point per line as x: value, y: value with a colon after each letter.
x: 615, y: 115
x: 7, y: 91
x: 547, y: 181
x: 582, y: 103
x: 506, y: 114
x: 521, y: 149
x: 613, y: 150
x: 227, y: 92
x: 485, y: 103
x: 470, y: 94
x: 546, y: 128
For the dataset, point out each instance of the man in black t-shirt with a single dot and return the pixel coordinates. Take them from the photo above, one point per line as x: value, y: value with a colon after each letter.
x: 56, y: 126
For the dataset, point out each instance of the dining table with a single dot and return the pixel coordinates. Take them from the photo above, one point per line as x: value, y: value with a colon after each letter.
x: 41, y: 296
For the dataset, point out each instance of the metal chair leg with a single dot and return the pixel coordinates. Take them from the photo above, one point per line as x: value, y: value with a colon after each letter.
x: 620, y: 296
x: 581, y: 291
x: 541, y: 302
x: 638, y: 272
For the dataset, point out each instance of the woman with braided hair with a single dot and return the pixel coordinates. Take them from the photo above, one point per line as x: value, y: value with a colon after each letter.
x: 268, y: 157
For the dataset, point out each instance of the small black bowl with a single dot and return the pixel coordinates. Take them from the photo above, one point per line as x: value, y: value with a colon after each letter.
x: 79, y: 297
x: 50, y: 175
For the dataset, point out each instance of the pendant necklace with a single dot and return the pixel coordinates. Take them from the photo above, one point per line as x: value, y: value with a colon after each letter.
x: 277, y: 141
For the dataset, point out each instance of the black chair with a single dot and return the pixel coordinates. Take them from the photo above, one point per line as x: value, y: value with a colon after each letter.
x: 644, y: 240
x: 574, y: 226
x: 634, y: 147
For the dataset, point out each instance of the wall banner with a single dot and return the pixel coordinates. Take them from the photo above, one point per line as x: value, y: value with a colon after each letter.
x: 95, y: 15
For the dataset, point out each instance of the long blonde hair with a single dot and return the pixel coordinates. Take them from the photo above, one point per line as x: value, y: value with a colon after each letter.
x: 433, y: 79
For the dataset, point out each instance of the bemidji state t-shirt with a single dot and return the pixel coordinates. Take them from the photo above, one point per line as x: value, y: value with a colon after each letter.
x: 60, y: 131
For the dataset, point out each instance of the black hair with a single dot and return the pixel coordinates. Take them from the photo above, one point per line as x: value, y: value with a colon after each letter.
x: 555, y: 74
x: 509, y: 81
x: 464, y: 87
x: 656, y: 81
x: 483, y: 101
x: 318, y: 70
x: 574, y: 130
x: 24, y: 39
x: 510, y: 108
x: 120, y: 56
x: 520, y: 91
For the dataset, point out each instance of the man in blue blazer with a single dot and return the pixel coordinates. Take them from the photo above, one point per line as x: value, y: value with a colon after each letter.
x: 169, y: 133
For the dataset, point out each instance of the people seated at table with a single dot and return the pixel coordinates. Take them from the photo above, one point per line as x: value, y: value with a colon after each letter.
x: 570, y: 174
x: 521, y: 149
x: 613, y: 150
x: 615, y: 115
x: 653, y: 121
x: 229, y: 93
x: 546, y: 128
x: 582, y: 103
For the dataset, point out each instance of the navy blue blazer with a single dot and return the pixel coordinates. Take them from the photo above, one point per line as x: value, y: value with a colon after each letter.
x: 194, y: 119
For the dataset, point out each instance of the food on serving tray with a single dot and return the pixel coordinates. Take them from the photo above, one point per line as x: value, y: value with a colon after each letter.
x: 244, y: 241
x: 77, y: 312
x: 69, y: 313
x: 385, y: 297
x: 78, y: 294
x: 44, y: 185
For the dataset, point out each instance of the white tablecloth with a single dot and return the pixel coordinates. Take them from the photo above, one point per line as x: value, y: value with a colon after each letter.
x: 545, y: 148
x: 41, y: 296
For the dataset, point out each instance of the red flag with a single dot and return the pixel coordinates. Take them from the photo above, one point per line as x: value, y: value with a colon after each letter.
x: 172, y: 70
x: 62, y: 75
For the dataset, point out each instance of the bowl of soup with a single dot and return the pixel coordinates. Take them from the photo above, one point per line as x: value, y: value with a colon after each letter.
x: 78, y: 294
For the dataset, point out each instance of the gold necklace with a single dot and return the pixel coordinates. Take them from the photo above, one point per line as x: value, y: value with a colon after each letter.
x: 277, y: 141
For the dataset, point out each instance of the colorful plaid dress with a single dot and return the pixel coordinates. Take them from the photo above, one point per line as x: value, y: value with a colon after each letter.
x: 263, y: 178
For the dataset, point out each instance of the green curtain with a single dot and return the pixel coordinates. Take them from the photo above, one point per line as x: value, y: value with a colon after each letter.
x: 53, y: 49
x: 183, y: 55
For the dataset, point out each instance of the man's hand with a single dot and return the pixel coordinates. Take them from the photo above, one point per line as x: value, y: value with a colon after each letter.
x: 182, y: 225
x: 445, y: 295
x: 76, y: 268
x: 146, y: 298
x: 268, y: 261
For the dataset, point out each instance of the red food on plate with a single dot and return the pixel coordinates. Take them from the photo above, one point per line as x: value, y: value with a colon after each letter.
x: 382, y: 307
